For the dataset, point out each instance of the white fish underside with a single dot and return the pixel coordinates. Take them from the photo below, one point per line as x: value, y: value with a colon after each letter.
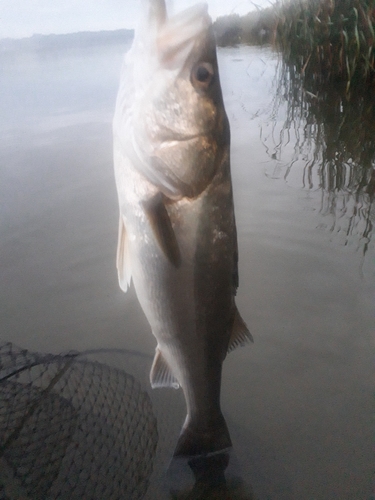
x: 177, y: 234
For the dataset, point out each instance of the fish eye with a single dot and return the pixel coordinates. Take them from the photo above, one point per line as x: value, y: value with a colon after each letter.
x: 202, y: 75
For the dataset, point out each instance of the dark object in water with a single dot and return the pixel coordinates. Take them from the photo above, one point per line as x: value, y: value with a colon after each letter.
x: 210, y: 481
x: 72, y: 428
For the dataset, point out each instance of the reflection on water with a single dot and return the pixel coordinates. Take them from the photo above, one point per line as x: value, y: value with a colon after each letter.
x: 42, y: 89
x: 298, y: 401
x: 325, y: 140
x: 210, y: 481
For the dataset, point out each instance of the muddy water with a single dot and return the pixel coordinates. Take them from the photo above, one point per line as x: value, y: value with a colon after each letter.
x: 298, y: 400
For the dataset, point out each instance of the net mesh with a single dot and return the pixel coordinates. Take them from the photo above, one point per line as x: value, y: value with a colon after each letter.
x: 72, y: 428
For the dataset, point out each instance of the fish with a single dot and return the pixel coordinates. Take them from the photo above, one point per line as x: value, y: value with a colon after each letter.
x: 177, y: 239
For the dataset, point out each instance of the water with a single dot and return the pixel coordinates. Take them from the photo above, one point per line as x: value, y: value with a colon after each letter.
x: 297, y: 401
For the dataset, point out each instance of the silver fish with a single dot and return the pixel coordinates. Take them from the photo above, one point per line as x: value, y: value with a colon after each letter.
x: 177, y: 232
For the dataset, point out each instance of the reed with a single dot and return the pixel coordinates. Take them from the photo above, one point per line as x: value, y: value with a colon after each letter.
x: 328, y: 40
x: 327, y: 79
x: 325, y: 89
x: 327, y: 74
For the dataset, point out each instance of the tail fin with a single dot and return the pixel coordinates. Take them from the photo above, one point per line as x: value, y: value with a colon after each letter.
x: 198, y: 440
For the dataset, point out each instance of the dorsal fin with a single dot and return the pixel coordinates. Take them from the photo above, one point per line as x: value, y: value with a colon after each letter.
x: 162, y: 228
x: 178, y: 36
x: 123, y: 257
x: 161, y: 375
x: 158, y: 12
x: 152, y: 17
x: 240, y: 334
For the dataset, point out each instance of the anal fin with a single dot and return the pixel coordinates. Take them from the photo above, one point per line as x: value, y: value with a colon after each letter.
x: 162, y: 228
x: 240, y: 334
x: 161, y: 375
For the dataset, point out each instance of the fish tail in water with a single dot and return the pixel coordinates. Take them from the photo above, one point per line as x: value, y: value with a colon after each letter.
x: 197, y: 440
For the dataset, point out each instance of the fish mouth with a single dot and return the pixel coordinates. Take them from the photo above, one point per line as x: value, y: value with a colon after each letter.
x: 178, y: 35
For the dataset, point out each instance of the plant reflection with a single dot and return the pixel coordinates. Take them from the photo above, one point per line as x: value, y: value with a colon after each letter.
x: 331, y: 133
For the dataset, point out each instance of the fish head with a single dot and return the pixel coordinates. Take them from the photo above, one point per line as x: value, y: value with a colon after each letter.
x: 177, y: 127
x: 186, y: 99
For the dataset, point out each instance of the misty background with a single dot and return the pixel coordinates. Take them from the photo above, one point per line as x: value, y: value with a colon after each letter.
x: 24, y: 18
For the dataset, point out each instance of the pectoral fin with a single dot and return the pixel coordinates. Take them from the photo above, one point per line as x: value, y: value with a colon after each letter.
x: 240, y: 334
x: 162, y: 228
x: 123, y: 257
x: 161, y: 375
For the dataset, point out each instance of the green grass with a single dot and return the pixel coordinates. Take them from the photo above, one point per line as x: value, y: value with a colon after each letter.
x: 327, y: 74
x: 328, y: 40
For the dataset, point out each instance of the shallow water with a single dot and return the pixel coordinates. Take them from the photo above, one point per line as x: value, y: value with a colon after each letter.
x: 297, y: 401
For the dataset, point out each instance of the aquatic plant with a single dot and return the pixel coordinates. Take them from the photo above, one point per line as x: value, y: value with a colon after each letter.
x: 328, y: 40
x: 326, y: 80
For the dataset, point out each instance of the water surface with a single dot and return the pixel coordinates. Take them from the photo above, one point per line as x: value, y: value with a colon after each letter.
x: 297, y: 401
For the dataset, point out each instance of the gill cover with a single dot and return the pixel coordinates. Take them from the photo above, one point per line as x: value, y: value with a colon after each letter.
x: 161, y: 123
